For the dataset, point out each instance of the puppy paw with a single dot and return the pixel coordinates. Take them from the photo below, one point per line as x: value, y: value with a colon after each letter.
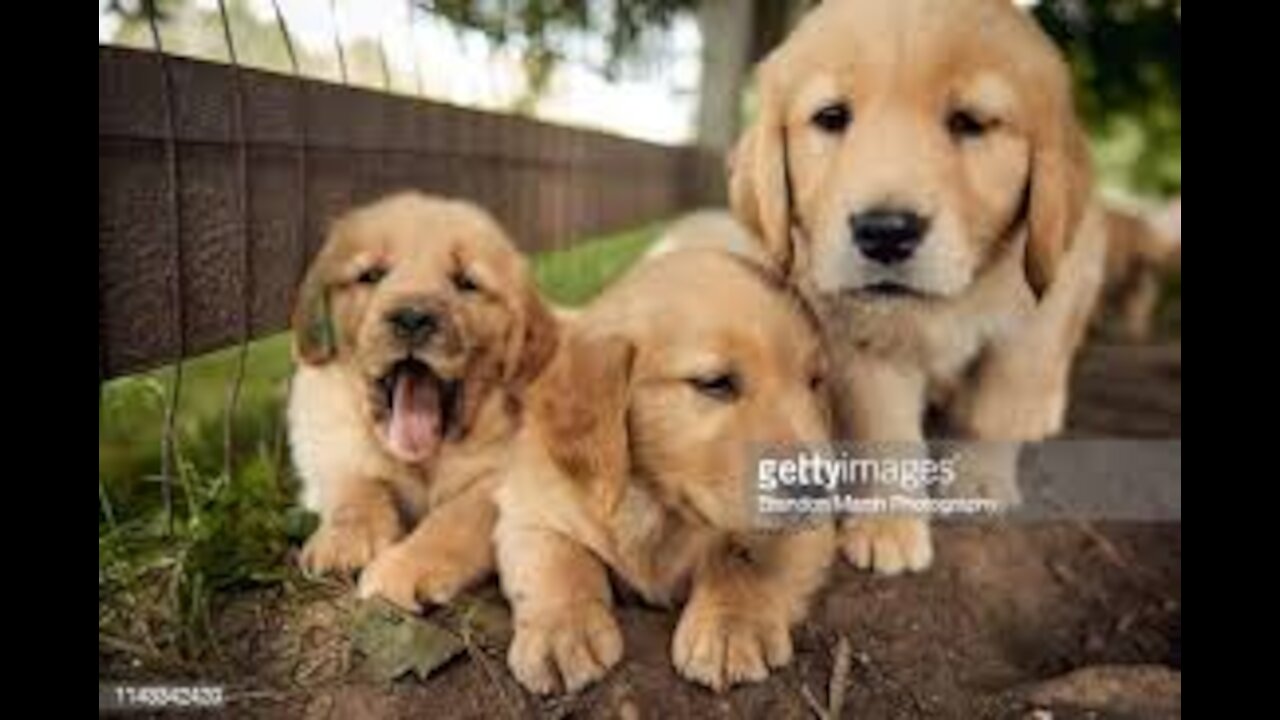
x: 347, y: 543
x: 888, y: 545
x: 407, y: 578
x: 565, y: 649
x: 1037, y: 412
x: 719, y: 648
x: 989, y: 472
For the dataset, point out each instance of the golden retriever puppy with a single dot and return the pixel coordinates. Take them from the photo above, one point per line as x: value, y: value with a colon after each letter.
x: 636, y: 458
x: 918, y: 170
x: 709, y: 228
x: 416, y: 328
x: 1168, y: 219
x: 1140, y: 255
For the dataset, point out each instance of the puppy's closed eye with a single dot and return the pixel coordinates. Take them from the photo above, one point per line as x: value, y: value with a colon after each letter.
x: 372, y: 276
x: 463, y: 282
x: 725, y: 387
x: 965, y: 124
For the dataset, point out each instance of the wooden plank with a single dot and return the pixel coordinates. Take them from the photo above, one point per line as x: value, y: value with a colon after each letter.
x: 547, y: 184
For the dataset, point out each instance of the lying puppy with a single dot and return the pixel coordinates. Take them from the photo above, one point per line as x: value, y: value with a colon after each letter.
x: 416, y: 329
x: 714, y: 229
x: 918, y: 170
x: 1140, y: 255
x: 635, y: 459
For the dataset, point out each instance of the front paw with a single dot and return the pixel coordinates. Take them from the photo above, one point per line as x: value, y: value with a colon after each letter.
x: 393, y: 575
x: 1033, y: 413
x: 986, y: 470
x: 888, y: 545
x: 566, y: 648
x: 344, y: 545
x: 719, y: 647
x: 407, y: 577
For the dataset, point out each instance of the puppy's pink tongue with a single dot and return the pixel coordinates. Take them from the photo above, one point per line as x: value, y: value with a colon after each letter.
x: 414, y: 430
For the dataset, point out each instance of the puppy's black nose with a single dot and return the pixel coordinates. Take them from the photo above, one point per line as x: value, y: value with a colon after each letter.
x: 413, y: 324
x: 887, y: 235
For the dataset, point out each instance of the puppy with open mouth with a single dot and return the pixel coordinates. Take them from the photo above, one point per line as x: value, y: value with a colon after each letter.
x: 416, y: 329
x: 635, y: 460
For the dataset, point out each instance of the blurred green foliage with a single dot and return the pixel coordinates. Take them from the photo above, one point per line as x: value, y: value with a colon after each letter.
x: 1126, y: 56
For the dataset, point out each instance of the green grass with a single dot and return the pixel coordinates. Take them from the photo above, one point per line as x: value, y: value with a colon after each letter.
x: 158, y: 584
x: 574, y: 276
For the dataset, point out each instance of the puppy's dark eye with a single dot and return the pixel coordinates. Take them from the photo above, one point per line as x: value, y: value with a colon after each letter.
x: 721, y: 386
x: 463, y: 282
x: 963, y: 125
x: 372, y: 276
x: 816, y: 381
x: 833, y: 118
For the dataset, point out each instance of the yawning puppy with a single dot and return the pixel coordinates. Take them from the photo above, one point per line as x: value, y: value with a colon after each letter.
x: 416, y: 328
x: 635, y: 458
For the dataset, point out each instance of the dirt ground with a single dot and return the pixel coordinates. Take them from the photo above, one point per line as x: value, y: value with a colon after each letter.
x: 994, y: 629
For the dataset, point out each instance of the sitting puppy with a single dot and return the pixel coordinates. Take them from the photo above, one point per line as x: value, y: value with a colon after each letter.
x: 635, y: 457
x: 918, y: 170
x: 416, y: 329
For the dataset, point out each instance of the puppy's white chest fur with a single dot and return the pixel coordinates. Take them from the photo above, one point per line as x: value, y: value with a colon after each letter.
x: 940, y: 339
x: 328, y: 436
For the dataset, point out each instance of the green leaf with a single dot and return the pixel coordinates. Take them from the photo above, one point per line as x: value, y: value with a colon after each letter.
x: 299, y: 523
x: 395, y: 642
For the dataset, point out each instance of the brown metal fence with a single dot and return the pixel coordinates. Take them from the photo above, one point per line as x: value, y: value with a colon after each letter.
x: 215, y: 184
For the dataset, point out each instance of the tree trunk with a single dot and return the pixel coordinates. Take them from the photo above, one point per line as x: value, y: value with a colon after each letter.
x: 726, y: 47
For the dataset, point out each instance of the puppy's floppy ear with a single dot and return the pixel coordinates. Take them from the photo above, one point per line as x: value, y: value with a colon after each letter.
x: 315, y: 339
x: 533, y: 337
x: 758, y: 179
x: 580, y: 406
x: 1060, y: 183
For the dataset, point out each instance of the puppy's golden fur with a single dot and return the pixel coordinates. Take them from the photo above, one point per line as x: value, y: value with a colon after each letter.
x: 416, y: 328
x: 1140, y: 254
x: 709, y: 228
x: 635, y: 459
x: 959, y: 111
